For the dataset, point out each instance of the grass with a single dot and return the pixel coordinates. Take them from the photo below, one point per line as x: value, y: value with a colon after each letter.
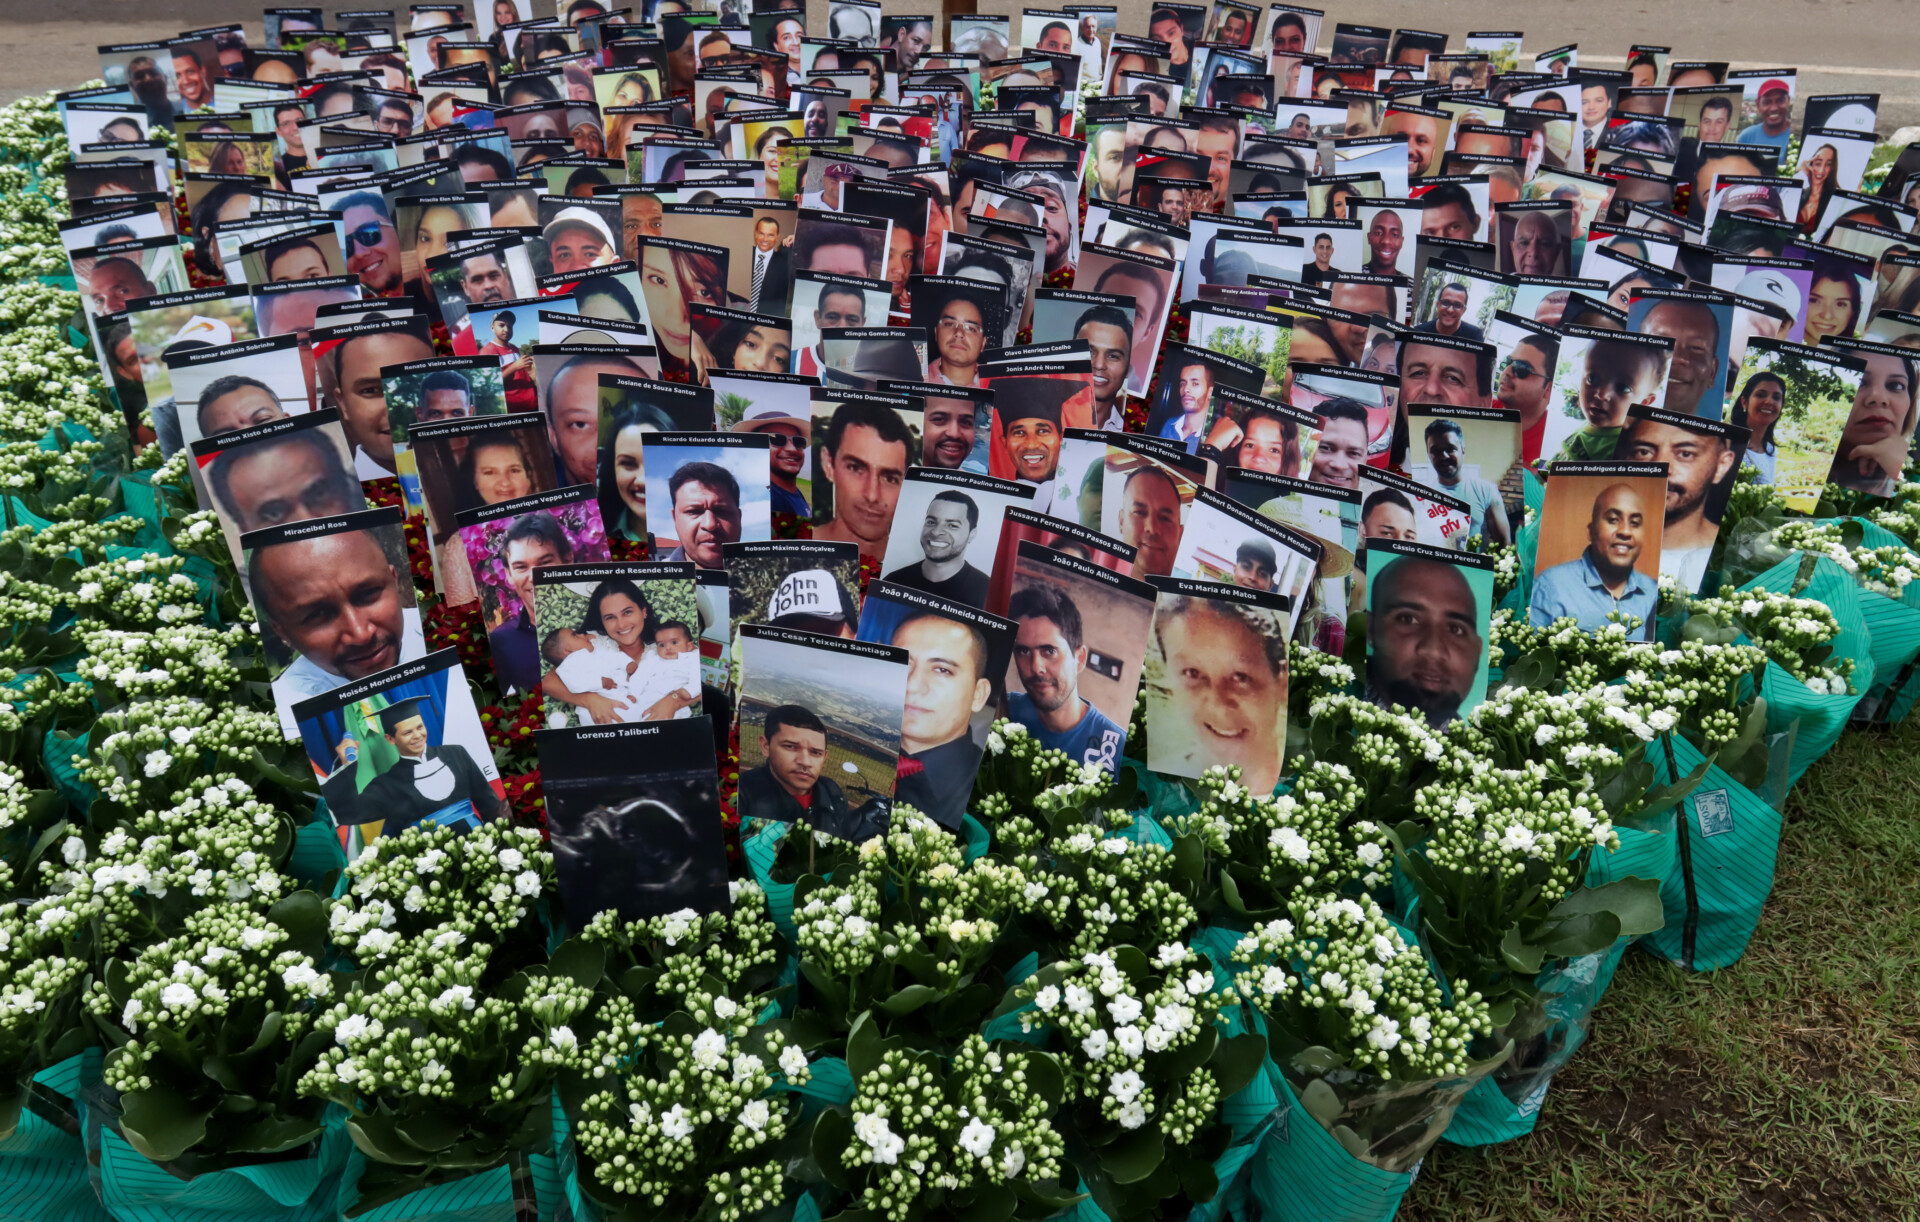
x: 1784, y: 1087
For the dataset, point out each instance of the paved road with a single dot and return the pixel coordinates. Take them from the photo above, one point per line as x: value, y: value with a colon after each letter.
x: 1841, y: 46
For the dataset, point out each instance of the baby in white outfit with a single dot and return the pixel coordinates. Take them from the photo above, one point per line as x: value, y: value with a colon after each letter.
x: 588, y: 662
x: 672, y: 665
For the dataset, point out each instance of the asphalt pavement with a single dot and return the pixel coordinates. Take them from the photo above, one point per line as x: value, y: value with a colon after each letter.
x: 1840, y: 46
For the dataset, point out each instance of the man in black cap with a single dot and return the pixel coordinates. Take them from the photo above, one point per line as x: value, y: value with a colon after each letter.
x: 1030, y: 412
x: 951, y: 520
x: 423, y: 782
x: 790, y: 785
x: 1254, y: 565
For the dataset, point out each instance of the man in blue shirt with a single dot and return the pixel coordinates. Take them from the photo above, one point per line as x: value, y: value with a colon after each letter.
x: 1192, y: 397
x: 1775, y: 104
x: 1602, y: 579
x: 1049, y: 653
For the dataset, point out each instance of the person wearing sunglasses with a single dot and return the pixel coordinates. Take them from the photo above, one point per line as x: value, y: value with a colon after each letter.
x: 372, y: 244
x: 1524, y: 384
x: 787, y: 435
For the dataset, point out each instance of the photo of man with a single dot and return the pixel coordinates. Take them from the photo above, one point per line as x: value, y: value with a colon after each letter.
x: 861, y: 458
x: 951, y: 520
x: 1458, y: 375
x: 289, y: 473
x: 701, y: 496
x: 1146, y: 278
x: 1109, y: 333
x: 423, y: 781
x: 820, y: 729
x: 1599, y: 552
x: 1216, y: 682
x: 950, y: 429
x: 1428, y: 625
x: 1449, y: 314
x: 1447, y: 456
x: 1703, y: 461
x: 1051, y: 651
x: 1700, y: 330
x: 954, y: 656
x: 333, y: 604
x: 787, y: 464
x: 1386, y: 236
x: 1194, y: 391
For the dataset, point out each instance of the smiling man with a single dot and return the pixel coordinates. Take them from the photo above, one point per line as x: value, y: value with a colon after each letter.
x: 372, y: 244
x: 534, y: 541
x: 1425, y: 645
x: 951, y: 521
x: 1031, y: 413
x: 1447, y: 453
x: 1150, y: 520
x: 1386, y: 234
x: 336, y: 602
x: 1694, y: 374
x: 1226, y: 682
x: 947, y: 685
x: 423, y: 781
x: 951, y: 426
x: 1604, y: 577
x: 1109, y: 334
x: 1049, y: 653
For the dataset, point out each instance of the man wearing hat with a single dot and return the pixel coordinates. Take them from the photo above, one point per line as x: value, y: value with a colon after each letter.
x: 1254, y: 565
x: 813, y: 600
x: 1030, y: 413
x: 577, y: 239
x: 951, y: 520
x: 421, y: 784
x: 1775, y: 105
x: 787, y: 435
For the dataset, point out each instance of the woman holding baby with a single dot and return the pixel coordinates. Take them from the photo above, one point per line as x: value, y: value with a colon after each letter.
x: 619, y: 665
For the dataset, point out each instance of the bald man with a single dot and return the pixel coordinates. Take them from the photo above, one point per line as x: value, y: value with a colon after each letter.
x: 1424, y: 639
x: 1604, y: 578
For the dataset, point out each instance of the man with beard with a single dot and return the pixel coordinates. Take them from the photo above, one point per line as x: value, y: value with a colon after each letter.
x: 706, y: 513
x: 335, y: 601
x: 1424, y: 642
x: 1110, y: 337
x: 113, y: 282
x: 864, y: 457
x: 1447, y: 451
x: 1193, y: 395
x: 1423, y: 133
x: 372, y: 244
x: 1775, y: 106
x: 949, y: 429
x: 1049, y: 653
x: 1057, y: 220
x: 1150, y: 520
x: 483, y: 278
x: 534, y: 541
x: 1032, y: 411
x: 1385, y: 236
x: 789, y: 785
x: 1602, y: 579
x: 1698, y: 465
x: 786, y: 459
x: 959, y: 336
x: 1216, y: 140
x: 1694, y: 374
x: 952, y: 518
x: 423, y: 782
x: 909, y: 37
x: 1109, y: 160
x: 1449, y: 314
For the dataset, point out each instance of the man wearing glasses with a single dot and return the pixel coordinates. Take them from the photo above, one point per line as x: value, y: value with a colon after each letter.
x: 960, y: 334
x: 372, y: 245
x: 1524, y: 384
x: 787, y: 458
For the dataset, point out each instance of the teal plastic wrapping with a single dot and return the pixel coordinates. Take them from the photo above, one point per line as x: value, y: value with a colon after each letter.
x: 1816, y: 718
x: 305, y: 1189
x: 43, y: 1165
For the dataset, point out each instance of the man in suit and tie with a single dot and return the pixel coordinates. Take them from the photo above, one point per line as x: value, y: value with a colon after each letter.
x: 772, y: 268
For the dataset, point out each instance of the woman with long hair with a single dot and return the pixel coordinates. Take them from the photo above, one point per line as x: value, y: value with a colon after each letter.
x: 496, y: 468
x: 751, y: 346
x: 621, y: 478
x: 1878, y: 435
x: 619, y: 622
x: 1341, y: 200
x: 1818, y: 171
x: 1833, y: 303
x: 674, y: 281
x: 429, y: 238
x: 1758, y: 410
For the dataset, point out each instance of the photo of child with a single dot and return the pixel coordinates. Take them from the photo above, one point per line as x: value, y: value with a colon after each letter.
x: 619, y: 643
x: 1601, y: 374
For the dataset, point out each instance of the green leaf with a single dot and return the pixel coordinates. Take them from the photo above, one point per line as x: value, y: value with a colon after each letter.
x: 431, y: 1131
x: 582, y: 961
x: 374, y: 1135
x: 274, y: 1135
x: 1236, y: 1060
x: 1321, y: 1103
x: 1635, y: 901
x: 991, y: 1203
x: 1045, y: 1077
x: 304, y: 916
x: 1135, y: 1155
x: 909, y: 999
x: 1663, y: 798
x: 831, y: 1134
x: 1521, y: 955
x: 865, y: 1046
x: 160, y: 1124
x: 1190, y: 860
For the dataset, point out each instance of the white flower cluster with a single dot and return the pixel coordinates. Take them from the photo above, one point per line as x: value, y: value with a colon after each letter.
x: 1116, y: 1011
x: 919, y: 1126
x: 1339, y: 962
x: 1496, y: 828
x: 484, y: 884
x: 1789, y: 629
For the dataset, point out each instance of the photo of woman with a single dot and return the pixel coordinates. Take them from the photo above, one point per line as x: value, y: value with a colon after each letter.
x: 496, y: 468
x: 1758, y: 411
x: 621, y: 478
x: 1879, y: 429
x: 674, y: 278
x: 622, y: 663
x: 1833, y: 303
x: 1817, y: 172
